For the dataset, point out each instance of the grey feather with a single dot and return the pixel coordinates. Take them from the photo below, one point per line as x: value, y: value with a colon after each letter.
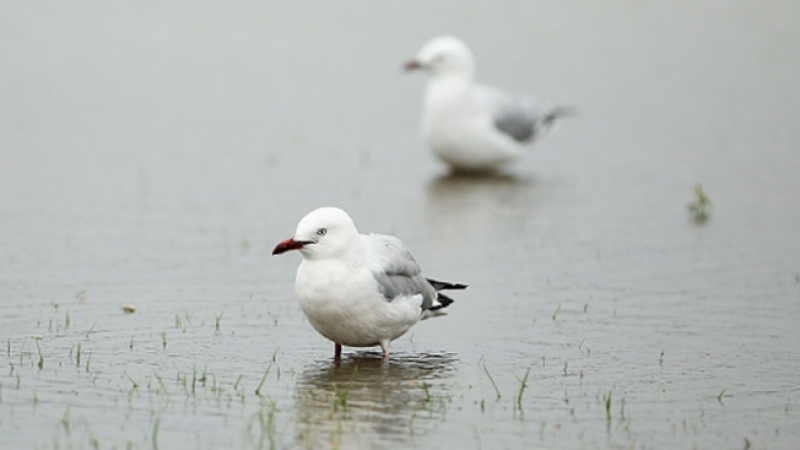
x: 522, y: 118
x: 398, y: 274
x: 445, y: 285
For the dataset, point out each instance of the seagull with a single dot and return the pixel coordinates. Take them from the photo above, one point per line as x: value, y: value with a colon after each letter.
x: 473, y: 127
x: 359, y: 290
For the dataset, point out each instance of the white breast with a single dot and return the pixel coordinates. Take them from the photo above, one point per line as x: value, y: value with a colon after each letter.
x: 343, y: 304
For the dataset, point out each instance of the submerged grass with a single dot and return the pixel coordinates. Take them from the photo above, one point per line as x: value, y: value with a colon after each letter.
x: 555, y: 314
x: 154, y: 436
x: 263, y: 379
x: 266, y: 420
x: 91, y: 329
x: 721, y: 396
x: 134, y: 384
x: 489, y: 375
x: 523, y: 383
x: 427, y: 392
x: 217, y: 319
x: 339, y: 398
x: 40, y: 364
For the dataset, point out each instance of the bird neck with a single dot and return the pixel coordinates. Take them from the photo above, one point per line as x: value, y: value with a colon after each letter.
x: 448, y: 92
x: 351, y: 251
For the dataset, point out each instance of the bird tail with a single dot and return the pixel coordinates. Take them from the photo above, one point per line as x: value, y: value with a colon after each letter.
x: 445, y: 285
x: 442, y: 301
x: 546, y: 122
x: 558, y: 112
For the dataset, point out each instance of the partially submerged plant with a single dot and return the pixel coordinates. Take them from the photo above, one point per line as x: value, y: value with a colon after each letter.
x: 496, y: 390
x: 700, y: 207
x: 339, y: 398
x: 523, y: 383
x: 263, y: 379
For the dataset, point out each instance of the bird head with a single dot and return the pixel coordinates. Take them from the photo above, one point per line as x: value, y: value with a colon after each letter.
x: 444, y: 55
x: 326, y: 232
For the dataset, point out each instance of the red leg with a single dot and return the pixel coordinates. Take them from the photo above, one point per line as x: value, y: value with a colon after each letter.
x: 337, y: 352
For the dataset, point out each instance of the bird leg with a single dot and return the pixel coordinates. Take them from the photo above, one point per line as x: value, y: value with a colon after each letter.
x: 385, y: 348
x: 337, y: 351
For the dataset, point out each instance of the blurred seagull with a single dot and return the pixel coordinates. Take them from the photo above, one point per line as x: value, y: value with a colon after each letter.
x: 359, y: 290
x: 473, y: 127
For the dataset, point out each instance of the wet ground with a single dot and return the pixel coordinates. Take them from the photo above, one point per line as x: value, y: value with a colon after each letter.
x: 151, y: 156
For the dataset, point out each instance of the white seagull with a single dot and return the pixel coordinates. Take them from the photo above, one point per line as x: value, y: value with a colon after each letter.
x: 473, y: 127
x: 359, y: 290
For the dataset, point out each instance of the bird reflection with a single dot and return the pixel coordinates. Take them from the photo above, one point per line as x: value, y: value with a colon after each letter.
x: 363, y: 399
x: 465, y: 182
x: 480, y: 207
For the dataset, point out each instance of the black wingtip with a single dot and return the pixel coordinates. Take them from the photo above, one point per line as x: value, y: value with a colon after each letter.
x: 444, y: 301
x: 445, y: 285
x: 561, y: 111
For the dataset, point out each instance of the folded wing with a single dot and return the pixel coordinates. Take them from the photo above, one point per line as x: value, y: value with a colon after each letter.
x: 398, y: 274
x: 521, y: 118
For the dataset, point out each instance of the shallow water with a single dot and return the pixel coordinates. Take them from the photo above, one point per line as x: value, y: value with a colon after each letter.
x: 153, y: 156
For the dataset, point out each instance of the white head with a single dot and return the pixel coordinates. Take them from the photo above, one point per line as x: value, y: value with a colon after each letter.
x: 326, y: 232
x: 444, y: 55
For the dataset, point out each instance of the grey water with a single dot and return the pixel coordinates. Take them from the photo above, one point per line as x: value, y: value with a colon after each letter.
x: 151, y: 155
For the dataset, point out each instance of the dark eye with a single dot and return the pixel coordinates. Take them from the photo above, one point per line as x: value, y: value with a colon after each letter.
x: 322, y: 232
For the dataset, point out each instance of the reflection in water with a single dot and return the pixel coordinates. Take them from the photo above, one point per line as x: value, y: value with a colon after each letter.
x: 455, y: 193
x: 366, y: 400
x: 479, y: 207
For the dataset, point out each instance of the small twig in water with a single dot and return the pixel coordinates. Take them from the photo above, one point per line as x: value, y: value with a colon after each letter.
x: 41, y: 357
x: 90, y: 330
x: 721, y: 395
x: 557, y: 311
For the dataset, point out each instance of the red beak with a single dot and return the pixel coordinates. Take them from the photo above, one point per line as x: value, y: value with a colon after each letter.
x: 288, y: 244
x: 412, y: 65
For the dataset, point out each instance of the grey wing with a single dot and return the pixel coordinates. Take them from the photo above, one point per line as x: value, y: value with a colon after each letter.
x: 396, y: 271
x: 521, y: 118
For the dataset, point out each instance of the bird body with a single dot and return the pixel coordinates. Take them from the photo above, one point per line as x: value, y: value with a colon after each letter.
x: 343, y: 303
x: 474, y: 127
x: 359, y: 290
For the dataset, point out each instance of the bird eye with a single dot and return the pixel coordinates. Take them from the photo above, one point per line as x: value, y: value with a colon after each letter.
x: 322, y: 232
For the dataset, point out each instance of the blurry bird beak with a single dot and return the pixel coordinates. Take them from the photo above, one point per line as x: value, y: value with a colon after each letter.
x: 289, y: 244
x: 413, y: 65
